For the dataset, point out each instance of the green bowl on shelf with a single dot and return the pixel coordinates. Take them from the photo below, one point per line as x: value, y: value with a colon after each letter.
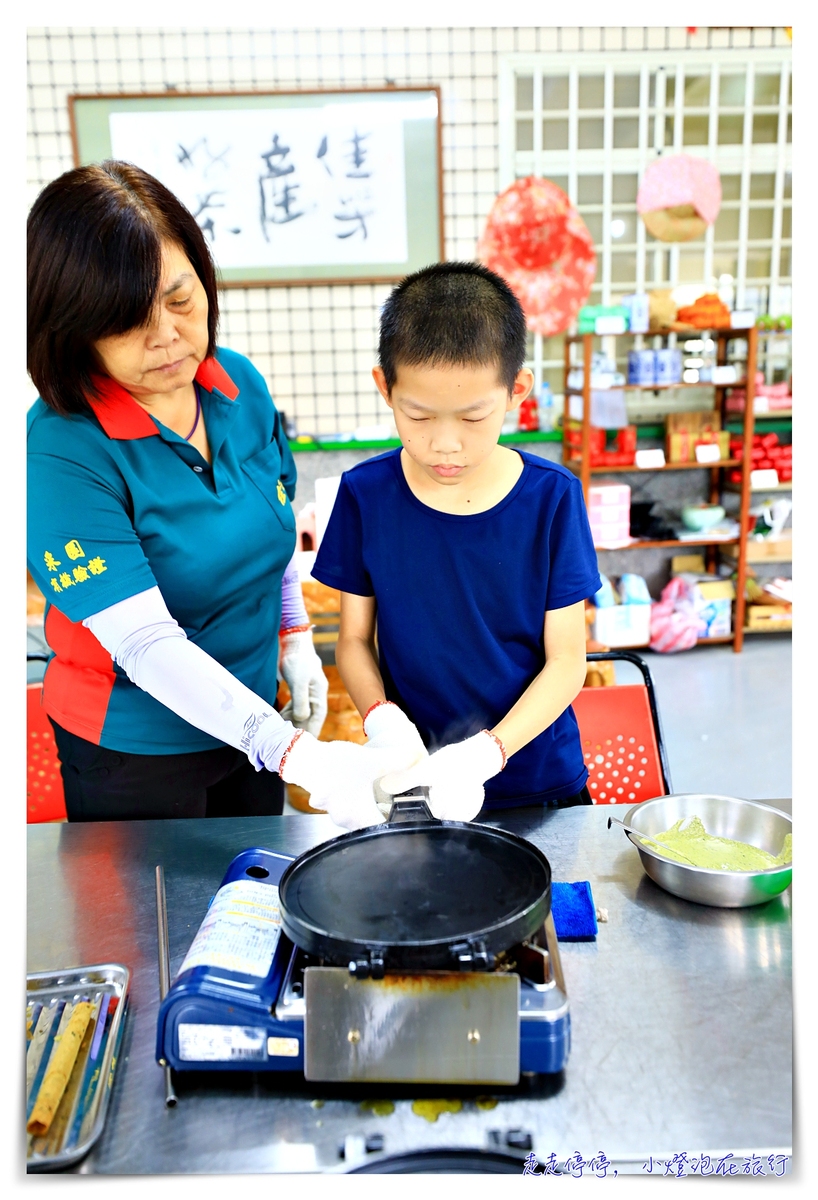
x: 700, y: 517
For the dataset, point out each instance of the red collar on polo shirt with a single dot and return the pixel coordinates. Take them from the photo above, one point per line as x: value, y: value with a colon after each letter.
x: 122, y: 418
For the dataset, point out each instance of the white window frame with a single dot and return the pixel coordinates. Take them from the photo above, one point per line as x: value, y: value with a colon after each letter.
x: 744, y: 159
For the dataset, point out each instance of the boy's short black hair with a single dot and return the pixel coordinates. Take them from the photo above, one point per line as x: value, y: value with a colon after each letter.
x: 453, y: 314
x: 95, y: 239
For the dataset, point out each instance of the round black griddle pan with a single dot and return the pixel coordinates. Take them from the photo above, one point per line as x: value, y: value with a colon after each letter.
x: 415, y: 894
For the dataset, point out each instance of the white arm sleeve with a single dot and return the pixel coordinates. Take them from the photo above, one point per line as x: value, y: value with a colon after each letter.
x: 154, y: 652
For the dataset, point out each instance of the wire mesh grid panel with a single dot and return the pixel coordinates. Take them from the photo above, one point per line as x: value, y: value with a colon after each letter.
x: 592, y: 124
x: 316, y: 345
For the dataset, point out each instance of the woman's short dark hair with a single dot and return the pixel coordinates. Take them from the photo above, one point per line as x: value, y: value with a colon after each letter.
x: 95, y: 239
x: 453, y: 314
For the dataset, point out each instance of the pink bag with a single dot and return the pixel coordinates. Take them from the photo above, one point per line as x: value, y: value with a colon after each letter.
x: 673, y: 621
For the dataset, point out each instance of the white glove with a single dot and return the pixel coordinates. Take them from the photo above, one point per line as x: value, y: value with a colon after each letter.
x: 303, y: 672
x: 339, y: 777
x: 454, y: 775
x: 389, y: 728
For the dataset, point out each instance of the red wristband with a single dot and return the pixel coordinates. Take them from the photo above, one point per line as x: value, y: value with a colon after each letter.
x: 294, y: 629
x: 372, y: 708
x: 287, y: 751
x: 500, y: 744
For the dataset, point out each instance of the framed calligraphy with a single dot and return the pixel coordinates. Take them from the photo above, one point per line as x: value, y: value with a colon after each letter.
x: 288, y: 187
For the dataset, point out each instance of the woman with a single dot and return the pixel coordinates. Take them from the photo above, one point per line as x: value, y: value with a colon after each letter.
x: 160, y: 528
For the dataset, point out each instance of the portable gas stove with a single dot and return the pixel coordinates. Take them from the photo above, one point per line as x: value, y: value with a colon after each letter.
x: 414, y: 951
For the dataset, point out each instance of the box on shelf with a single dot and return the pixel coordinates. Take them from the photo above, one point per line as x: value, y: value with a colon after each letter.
x: 768, y: 617
x: 643, y: 368
x: 668, y: 365
x: 692, y: 564
x: 609, y: 509
x: 623, y: 456
x: 764, y: 550
x: 623, y: 625
x: 638, y: 306
x: 602, y: 318
x: 685, y: 430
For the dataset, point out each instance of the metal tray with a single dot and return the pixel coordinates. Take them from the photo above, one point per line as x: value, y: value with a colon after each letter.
x: 80, y: 1118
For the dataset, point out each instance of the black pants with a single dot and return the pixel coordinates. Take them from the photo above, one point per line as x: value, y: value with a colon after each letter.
x: 110, y: 785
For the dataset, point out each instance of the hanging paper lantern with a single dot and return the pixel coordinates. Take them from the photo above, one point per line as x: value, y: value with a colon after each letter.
x: 537, y: 241
x: 679, y: 197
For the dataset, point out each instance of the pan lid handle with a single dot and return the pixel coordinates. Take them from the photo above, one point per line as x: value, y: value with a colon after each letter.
x: 410, y: 806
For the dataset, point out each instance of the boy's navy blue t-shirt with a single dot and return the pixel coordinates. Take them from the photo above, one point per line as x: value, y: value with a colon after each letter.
x: 461, y: 605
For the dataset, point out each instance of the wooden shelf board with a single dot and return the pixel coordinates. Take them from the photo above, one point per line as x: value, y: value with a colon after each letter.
x: 651, y: 387
x: 646, y: 545
x: 769, y: 629
x: 690, y: 331
x: 784, y: 414
x: 724, y: 462
x: 780, y: 487
x: 714, y: 641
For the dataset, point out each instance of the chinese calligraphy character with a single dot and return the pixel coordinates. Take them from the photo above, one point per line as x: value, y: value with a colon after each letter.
x: 74, y: 550
x: 357, y: 215
x: 679, y: 1162
x: 277, y: 200
x: 50, y: 561
x: 575, y: 1163
x: 778, y: 1161
x: 186, y: 156
x: 66, y: 580
x: 277, y: 151
x: 753, y: 1166
x: 80, y: 574
x: 726, y: 1167
x: 206, y: 202
x: 357, y: 156
x: 96, y: 566
x: 648, y: 1166
x: 531, y: 1164
x: 55, y: 585
x: 599, y: 1164
x: 550, y: 1165
x: 322, y: 154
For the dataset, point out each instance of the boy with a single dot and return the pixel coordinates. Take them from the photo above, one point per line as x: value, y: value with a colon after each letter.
x: 473, y: 559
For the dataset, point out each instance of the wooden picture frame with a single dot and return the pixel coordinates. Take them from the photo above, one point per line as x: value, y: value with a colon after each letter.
x: 311, y: 188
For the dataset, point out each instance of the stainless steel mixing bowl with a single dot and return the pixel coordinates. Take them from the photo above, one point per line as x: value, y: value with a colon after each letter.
x: 723, y: 816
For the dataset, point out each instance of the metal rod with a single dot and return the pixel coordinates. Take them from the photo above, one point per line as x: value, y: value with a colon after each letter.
x: 639, y: 834
x: 164, y: 965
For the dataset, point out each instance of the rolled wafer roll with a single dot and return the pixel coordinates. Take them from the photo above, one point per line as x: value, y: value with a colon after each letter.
x: 59, y: 1070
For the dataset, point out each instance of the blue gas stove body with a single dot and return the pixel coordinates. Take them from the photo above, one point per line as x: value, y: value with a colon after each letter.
x: 216, y: 1017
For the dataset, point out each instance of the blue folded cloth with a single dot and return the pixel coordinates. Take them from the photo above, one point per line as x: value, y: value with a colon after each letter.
x: 574, y: 911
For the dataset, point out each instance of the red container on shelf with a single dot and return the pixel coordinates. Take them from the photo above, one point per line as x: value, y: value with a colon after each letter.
x: 528, y: 417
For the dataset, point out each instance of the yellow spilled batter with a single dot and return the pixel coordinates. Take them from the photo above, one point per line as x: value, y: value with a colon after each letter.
x: 381, y: 1108
x: 430, y: 1110
x: 694, y: 846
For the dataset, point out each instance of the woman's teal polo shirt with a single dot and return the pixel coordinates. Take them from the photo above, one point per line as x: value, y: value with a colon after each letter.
x: 118, y: 503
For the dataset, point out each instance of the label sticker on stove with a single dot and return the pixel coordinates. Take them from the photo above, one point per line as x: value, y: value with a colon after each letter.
x: 221, y: 1043
x: 279, y: 1047
x: 240, y: 931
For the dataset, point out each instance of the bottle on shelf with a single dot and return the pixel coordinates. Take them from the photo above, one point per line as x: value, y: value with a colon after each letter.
x: 546, y: 410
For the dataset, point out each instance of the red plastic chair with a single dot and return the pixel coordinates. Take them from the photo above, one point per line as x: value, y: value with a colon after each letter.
x: 45, y: 800
x: 622, y: 737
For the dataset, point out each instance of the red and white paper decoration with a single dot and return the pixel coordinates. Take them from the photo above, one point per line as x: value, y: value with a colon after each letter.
x: 537, y: 241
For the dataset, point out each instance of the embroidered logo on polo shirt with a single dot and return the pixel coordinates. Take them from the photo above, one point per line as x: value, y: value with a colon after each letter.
x: 80, y: 573
x: 280, y: 492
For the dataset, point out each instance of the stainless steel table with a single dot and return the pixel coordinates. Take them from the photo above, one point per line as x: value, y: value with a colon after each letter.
x: 681, y: 1014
